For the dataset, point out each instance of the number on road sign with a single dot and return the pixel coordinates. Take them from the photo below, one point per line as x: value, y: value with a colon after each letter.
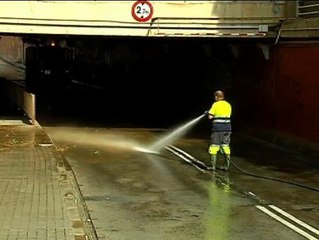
x: 142, y: 11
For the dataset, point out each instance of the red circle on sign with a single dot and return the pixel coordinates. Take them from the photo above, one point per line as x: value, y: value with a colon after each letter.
x: 142, y: 11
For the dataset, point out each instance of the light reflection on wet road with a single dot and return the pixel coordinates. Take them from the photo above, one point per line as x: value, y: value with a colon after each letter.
x: 135, y: 195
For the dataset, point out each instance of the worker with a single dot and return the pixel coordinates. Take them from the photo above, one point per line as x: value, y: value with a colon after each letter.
x: 220, y: 114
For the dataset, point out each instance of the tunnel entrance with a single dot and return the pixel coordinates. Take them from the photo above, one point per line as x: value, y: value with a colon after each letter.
x: 135, y: 82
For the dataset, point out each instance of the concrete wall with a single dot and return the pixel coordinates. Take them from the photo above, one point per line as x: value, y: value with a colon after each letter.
x: 119, y: 17
x: 282, y: 93
x: 22, y: 99
x: 11, y: 49
x: 121, y: 10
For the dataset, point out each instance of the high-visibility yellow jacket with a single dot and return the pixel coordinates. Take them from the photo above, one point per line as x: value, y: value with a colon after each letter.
x: 221, y: 111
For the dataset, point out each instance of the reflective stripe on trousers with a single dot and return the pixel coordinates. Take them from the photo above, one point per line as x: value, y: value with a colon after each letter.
x: 213, y: 149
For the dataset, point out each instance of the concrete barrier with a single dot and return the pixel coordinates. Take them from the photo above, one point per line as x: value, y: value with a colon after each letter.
x: 24, y: 100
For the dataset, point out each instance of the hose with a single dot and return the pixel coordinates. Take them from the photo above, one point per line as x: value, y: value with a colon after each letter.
x: 271, y: 178
x: 202, y: 166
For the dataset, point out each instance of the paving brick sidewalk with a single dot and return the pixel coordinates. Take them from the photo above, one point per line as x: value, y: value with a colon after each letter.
x: 39, y: 197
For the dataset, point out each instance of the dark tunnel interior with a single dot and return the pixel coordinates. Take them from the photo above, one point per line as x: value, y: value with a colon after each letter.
x: 128, y: 83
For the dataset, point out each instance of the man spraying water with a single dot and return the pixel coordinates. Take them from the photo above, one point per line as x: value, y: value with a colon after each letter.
x: 220, y: 113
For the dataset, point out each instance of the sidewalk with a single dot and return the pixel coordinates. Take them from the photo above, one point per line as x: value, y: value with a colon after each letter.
x: 39, y: 196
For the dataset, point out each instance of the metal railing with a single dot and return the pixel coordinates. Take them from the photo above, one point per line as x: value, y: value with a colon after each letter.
x: 251, y: 26
x: 307, y: 9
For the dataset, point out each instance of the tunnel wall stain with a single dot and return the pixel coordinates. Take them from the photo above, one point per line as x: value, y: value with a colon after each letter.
x: 282, y: 93
x: 11, y: 48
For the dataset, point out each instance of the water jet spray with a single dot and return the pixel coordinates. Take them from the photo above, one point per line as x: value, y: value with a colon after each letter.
x: 170, y: 137
x: 145, y: 150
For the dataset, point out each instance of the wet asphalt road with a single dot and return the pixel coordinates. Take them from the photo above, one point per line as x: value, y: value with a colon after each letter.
x: 137, y: 195
x: 134, y: 195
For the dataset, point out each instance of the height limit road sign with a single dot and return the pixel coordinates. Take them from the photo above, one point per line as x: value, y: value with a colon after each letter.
x: 142, y: 10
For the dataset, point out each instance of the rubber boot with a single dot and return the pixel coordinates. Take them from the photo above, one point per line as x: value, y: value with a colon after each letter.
x: 227, y: 162
x: 213, y: 158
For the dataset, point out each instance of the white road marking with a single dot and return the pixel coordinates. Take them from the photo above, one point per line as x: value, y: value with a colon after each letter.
x: 301, y: 223
x: 293, y: 227
x: 188, y: 158
x: 184, y: 158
